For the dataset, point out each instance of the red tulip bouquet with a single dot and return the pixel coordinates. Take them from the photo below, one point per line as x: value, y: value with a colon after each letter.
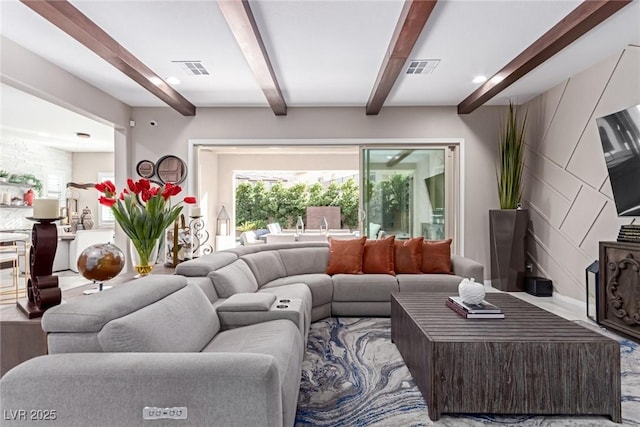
x: 143, y: 212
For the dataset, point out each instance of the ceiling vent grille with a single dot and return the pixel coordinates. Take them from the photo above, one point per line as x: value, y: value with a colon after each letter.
x: 193, y: 68
x: 422, y: 66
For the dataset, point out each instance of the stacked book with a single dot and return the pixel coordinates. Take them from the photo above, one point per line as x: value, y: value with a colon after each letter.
x: 484, y: 310
x: 629, y: 233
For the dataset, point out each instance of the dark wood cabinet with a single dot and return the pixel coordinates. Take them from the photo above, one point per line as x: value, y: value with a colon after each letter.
x: 619, y: 293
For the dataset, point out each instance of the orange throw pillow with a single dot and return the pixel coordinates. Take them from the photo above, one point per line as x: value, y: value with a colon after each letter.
x: 408, y: 256
x: 436, y: 256
x: 378, y: 256
x: 345, y: 256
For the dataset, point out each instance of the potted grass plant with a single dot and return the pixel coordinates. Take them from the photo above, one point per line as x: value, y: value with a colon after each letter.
x: 508, y: 225
x: 511, y: 160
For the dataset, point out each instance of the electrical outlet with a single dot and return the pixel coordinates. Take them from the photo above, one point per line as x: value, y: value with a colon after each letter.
x: 154, y: 413
x: 529, y: 267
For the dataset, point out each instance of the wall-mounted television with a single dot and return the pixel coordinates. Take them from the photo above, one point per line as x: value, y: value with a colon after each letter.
x: 620, y: 138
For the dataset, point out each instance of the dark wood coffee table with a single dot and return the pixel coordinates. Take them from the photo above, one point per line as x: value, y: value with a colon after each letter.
x: 531, y: 362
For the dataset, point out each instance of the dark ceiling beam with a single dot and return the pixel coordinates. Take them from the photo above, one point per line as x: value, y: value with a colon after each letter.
x: 65, y: 16
x: 413, y: 18
x: 243, y: 26
x: 581, y: 20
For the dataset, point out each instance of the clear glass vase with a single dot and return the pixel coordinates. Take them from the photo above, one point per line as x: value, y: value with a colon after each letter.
x: 143, y: 255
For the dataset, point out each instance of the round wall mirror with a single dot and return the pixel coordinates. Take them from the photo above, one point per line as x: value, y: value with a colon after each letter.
x: 145, y: 168
x: 171, y: 169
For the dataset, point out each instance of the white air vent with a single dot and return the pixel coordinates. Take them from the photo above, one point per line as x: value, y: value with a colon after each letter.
x: 422, y: 66
x: 193, y: 68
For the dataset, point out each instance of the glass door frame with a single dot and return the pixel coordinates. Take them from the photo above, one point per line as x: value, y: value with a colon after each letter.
x: 453, y: 182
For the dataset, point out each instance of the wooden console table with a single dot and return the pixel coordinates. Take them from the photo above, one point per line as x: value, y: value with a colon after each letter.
x: 22, y: 339
x: 619, y: 292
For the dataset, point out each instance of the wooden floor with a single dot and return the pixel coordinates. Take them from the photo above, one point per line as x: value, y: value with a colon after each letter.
x: 531, y: 362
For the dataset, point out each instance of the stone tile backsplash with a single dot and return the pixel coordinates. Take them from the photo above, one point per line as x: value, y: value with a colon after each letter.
x: 20, y: 156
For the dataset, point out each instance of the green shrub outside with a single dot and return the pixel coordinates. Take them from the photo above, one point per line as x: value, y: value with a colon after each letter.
x: 258, y: 206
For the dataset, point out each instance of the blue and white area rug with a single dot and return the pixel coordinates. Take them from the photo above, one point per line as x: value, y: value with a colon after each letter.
x: 353, y: 375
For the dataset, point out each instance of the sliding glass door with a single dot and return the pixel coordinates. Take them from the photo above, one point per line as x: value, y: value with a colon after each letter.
x: 409, y: 192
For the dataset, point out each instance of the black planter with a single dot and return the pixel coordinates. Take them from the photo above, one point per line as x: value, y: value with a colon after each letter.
x: 508, y: 232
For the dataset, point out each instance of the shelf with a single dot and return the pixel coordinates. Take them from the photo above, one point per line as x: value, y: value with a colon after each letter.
x: 16, y: 184
x: 15, y: 207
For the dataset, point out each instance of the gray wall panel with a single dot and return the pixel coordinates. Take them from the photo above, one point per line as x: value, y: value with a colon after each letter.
x: 566, y: 225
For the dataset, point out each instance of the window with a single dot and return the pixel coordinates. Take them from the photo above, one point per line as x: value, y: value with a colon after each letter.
x: 410, y: 192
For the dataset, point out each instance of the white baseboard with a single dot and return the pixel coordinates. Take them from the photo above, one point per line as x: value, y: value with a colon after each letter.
x: 563, y: 298
x: 572, y: 301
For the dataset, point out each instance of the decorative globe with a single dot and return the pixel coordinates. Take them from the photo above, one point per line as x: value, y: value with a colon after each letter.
x: 100, y: 262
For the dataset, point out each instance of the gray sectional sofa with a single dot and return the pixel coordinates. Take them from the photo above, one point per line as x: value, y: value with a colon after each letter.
x: 156, y: 345
x: 266, y: 268
x: 219, y: 343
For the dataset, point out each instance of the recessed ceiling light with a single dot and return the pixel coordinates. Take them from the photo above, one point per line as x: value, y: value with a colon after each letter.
x: 389, y: 157
x: 172, y: 80
x: 83, y: 135
x: 155, y: 80
x: 497, y: 79
x: 43, y: 134
x: 479, y: 79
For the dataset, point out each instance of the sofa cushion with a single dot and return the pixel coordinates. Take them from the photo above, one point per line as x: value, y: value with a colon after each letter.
x: 266, y: 266
x: 201, y: 266
x: 345, y: 256
x: 429, y: 283
x: 277, y: 338
x: 235, y: 278
x: 305, y: 260
x: 206, y: 285
x: 91, y: 313
x: 436, y: 256
x: 366, y: 287
x: 248, y: 302
x: 320, y: 284
x: 181, y: 322
x: 408, y: 255
x: 378, y: 256
x: 245, y: 250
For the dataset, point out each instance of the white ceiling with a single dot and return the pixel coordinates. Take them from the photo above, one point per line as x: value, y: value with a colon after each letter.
x: 29, y: 118
x: 324, y: 52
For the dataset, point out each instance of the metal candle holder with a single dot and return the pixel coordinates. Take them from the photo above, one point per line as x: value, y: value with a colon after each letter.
x: 200, y: 237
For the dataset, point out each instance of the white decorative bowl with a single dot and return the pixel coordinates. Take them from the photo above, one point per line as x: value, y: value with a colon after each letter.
x: 471, y: 291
